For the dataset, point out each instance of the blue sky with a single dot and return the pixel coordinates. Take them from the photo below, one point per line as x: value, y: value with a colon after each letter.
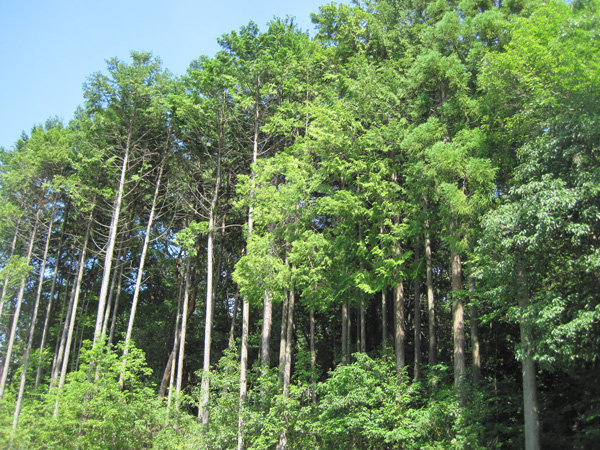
x: 48, y: 48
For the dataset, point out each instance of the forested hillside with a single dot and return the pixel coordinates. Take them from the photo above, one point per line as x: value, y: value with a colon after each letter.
x: 385, y: 236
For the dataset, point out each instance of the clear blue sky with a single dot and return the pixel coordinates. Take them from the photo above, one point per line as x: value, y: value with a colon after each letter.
x: 48, y: 48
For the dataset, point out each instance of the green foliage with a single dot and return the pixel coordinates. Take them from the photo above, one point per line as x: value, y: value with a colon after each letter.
x: 93, y: 411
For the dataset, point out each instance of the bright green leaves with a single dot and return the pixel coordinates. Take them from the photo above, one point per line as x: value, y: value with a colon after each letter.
x: 545, y: 227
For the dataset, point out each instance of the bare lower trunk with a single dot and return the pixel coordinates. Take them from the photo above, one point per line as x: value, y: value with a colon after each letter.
x: 33, y: 322
x: 383, y: 319
x: 73, y: 315
x: 458, y: 326
x: 208, y: 324
x: 236, y: 306
x: 530, y: 400
x: 417, y: 322
x: 265, y: 355
x: 12, y: 252
x: 474, y: 334
x: 283, y: 336
x: 113, y: 320
x: 140, y: 272
x: 430, y: 299
x: 243, y: 370
x: 49, y: 308
x: 287, y: 373
x: 399, y: 332
x: 313, y: 357
x: 345, y: 334
x: 61, y: 341
x: 111, y: 292
x: 13, y: 331
x: 171, y: 366
x: 363, y: 329
x: 184, y: 317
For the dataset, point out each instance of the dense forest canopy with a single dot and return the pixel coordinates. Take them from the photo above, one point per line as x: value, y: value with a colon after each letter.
x: 385, y: 236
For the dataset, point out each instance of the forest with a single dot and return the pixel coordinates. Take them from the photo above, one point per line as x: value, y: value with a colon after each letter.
x: 382, y: 236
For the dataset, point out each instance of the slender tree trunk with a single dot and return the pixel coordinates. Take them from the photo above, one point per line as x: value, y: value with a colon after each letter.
x: 36, y: 305
x: 430, y: 299
x: 283, y: 336
x: 38, y: 374
x: 345, y: 334
x: 417, y: 321
x: 111, y: 291
x: 170, y: 367
x: 184, y: 315
x: 384, y: 335
x: 113, y: 320
x: 474, y: 334
x: 203, y: 410
x: 265, y: 354
x: 236, y: 306
x: 287, y: 372
x: 458, y: 326
x: 399, y: 332
x: 243, y: 370
x: 78, y: 344
x: 13, y: 331
x: 190, y: 310
x: 363, y: 328
x: 313, y: 357
x: 110, y: 246
x: 530, y: 400
x: 140, y: 272
x: 205, y: 385
x: 12, y: 252
x: 73, y: 315
x: 61, y: 341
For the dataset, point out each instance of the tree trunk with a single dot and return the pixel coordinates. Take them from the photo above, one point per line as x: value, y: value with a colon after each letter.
x: 111, y: 292
x: 236, y: 306
x: 12, y: 252
x: 530, y: 400
x: 36, y: 305
x: 112, y: 235
x: 430, y: 299
x: 13, y: 331
x: 417, y: 321
x: 140, y: 272
x: 184, y: 319
x: 474, y: 334
x: 363, y: 328
x: 283, y: 336
x: 399, y: 332
x: 170, y: 367
x: 313, y: 357
x: 113, y: 320
x: 384, y: 333
x: 458, y: 325
x: 38, y: 374
x: 345, y: 334
x: 73, y: 315
x: 203, y: 410
x: 208, y: 324
x: 265, y: 355
x: 60, y: 341
x: 243, y: 370
x: 287, y: 372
